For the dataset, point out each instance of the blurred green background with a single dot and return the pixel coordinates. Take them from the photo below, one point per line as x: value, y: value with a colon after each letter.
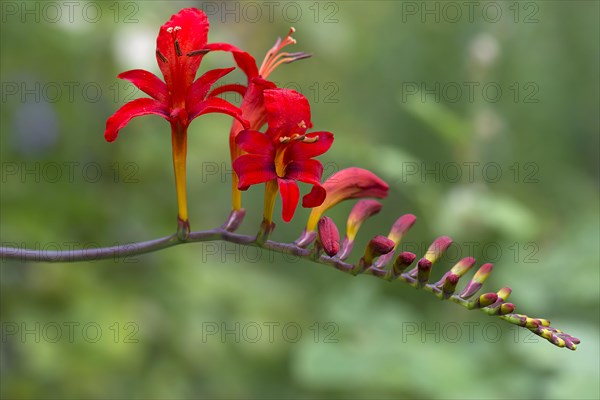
x: 483, y: 119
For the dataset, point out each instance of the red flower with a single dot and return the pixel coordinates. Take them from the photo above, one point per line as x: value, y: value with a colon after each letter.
x: 253, y: 103
x: 284, y: 154
x: 180, y: 47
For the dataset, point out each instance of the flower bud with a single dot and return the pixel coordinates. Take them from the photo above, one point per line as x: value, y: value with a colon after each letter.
x: 485, y: 300
x: 378, y: 246
x: 459, y: 269
x: 329, y: 236
x: 463, y: 266
x: 482, y: 274
x: 477, y: 282
x: 504, y: 293
x: 449, y: 286
x: 507, y: 308
x: 437, y: 248
x: 403, y: 261
x: 360, y: 212
x: 423, y: 272
x: 400, y: 227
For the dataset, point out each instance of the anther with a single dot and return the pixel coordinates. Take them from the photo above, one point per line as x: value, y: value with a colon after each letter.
x: 162, y: 58
x: 197, y: 52
x: 310, y: 139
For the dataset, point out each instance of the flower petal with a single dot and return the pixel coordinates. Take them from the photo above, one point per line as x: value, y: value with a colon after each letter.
x: 232, y: 87
x: 200, y: 88
x: 254, y: 142
x: 253, y: 104
x: 253, y: 169
x: 244, y: 60
x: 315, y: 198
x: 131, y: 110
x: 148, y: 83
x: 290, y: 194
x: 307, y: 171
x: 215, y: 105
x: 305, y: 150
x: 189, y: 28
x: 288, y: 112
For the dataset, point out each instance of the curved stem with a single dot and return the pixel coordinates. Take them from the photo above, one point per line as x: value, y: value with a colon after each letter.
x: 539, y: 327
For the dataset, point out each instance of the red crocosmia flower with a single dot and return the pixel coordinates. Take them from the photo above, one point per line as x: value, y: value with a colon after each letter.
x: 180, y: 47
x: 349, y: 183
x: 284, y: 154
x: 253, y: 104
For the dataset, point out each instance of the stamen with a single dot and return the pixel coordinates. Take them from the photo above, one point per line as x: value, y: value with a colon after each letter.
x: 310, y: 139
x: 197, y: 52
x: 300, y: 56
x: 303, y: 138
x: 173, y: 32
x: 283, y: 58
x: 273, y: 59
x: 162, y: 58
x: 284, y: 139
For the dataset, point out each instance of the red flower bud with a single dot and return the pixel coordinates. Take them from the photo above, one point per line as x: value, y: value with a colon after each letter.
x: 329, y: 236
x: 378, y: 246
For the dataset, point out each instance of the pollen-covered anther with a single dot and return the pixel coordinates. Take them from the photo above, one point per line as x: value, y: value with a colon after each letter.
x: 284, y: 139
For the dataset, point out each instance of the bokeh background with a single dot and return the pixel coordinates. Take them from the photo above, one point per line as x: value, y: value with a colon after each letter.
x: 483, y: 120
